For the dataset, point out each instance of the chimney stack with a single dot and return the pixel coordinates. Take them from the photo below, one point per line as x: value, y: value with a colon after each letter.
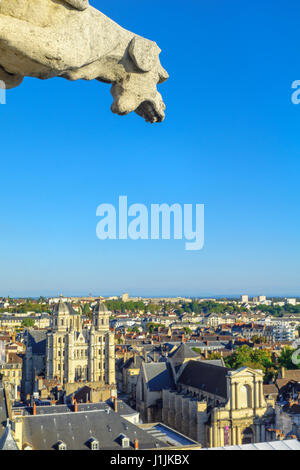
x: 115, y: 404
x: 136, y: 444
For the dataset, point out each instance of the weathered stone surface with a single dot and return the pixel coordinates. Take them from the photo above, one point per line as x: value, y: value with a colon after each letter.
x: 71, y: 39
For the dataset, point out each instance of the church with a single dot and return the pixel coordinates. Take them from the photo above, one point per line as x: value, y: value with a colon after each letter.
x: 205, y: 400
x: 77, y: 353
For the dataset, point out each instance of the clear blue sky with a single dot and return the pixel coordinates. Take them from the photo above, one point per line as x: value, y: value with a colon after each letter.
x: 231, y: 140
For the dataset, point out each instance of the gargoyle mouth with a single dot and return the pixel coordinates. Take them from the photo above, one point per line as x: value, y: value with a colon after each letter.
x: 151, y: 111
x: 150, y: 107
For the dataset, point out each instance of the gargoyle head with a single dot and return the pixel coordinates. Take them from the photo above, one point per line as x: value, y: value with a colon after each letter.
x: 138, y: 90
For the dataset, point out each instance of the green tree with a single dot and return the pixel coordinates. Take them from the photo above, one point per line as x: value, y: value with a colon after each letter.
x: 151, y: 326
x: 187, y: 330
x: 256, y: 339
x: 28, y: 323
x: 285, y: 358
x: 245, y: 356
x: 87, y: 311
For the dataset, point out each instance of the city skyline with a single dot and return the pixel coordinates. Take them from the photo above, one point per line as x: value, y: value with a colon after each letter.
x: 133, y: 295
x: 229, y: 141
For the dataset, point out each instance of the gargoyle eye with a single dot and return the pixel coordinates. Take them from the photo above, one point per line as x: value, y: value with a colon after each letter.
x: 144, y: 53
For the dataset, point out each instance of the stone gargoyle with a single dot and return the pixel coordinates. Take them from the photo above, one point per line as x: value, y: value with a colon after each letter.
x: 71, y: 39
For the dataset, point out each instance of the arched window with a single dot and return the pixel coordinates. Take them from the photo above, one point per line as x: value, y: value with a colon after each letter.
x: 78, y: 373
x: 244, y: 398
x: 247, y: 436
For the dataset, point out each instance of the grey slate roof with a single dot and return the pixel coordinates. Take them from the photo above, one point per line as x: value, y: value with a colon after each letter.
x: 185, y: 351
x: 3, y: 410
x: 37, y: 341
x: 82, y: 407
x: 129, y: 364
x: 158, y: 376
x: 123, y: 409
x: 214, y: 362
x: 7, y: 441
x: 206, y: 377
x: 44, y: 431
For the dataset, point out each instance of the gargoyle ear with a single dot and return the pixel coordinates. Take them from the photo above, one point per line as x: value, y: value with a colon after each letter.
x: 144, y: 53
x: 78, y: 4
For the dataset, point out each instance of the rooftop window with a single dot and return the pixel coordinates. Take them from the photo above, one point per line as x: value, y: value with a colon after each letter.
x: 94, y: 444
x: 61, y: 445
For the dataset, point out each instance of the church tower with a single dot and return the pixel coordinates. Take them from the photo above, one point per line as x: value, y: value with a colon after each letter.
x: 102, y: 347
x: 61, y: 316
x: 77, y: 352
x: 100, y: 317
x: 65, y: 324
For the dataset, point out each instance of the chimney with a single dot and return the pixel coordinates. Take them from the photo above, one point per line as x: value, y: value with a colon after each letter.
x: 34, y: 409
x: 116, y: 404
x: 136, y: 444
x: 282, y: 372
x: 75, y: 406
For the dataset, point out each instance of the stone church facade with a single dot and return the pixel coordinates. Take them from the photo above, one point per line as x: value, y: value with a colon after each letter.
x: 206, y: 401
x: 75, y: 353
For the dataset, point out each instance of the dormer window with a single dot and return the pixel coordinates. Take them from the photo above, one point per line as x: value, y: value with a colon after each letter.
x: 124, y: 441
x: 61, y: 445
x: 94, y: 444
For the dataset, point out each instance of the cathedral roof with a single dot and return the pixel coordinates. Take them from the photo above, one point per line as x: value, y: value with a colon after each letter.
x: 205, y: 376
x: 184, y: 351
x: 158, y: 376
x: 36, y: 339
x: 100, y: 308
x: 63, y: 308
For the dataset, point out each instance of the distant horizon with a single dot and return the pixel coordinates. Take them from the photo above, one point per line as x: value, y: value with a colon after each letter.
x: 143, y: 296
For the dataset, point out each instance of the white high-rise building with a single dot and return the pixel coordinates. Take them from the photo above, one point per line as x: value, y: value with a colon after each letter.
x: 125, y: 297
x: 283, y: 332
x: 291, y: 301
